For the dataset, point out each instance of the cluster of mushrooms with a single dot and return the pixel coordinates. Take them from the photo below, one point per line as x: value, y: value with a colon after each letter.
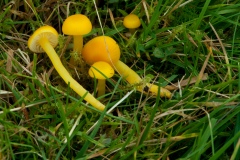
x: 102, y: 53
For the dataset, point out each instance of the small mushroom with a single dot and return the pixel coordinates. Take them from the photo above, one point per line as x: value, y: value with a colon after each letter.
x: 44, y: 39
x: 104, y: 48
x: 77, y: 25
x: 131, y: 22
x: 101, y: 70
x: 96, y: 50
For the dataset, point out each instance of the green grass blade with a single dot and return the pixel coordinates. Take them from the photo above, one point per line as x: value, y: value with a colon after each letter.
x: 155, y: 16
x: 237, y: 142
x: 201, y: 15
x: 223, y: 149
x: 149, y: 124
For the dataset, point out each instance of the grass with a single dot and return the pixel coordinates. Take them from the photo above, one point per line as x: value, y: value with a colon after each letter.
x: 189, y: 47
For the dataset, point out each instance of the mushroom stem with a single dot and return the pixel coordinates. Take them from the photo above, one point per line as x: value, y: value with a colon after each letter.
x: 132, y: 31
x: 101, y: 87
x: 77, y: 43
x: 133, y: 78
x: 47, y: 47
x: 77, y: 47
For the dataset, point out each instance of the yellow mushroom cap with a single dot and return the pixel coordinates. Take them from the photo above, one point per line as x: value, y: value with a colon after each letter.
x: 131, y: 21
x: 47, y: 32
x: 101, y: 48
x: 101, y: 70
x: 77, y: 24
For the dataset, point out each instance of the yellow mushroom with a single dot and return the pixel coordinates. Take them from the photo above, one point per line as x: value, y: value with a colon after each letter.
x: 101, y: 70
x: 77, y: 25
x: 104, y: 48
x: 45, y: 39
x: 131, y: 22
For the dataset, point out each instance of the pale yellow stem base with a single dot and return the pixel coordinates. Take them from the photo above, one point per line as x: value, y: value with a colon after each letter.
x: 133, y: 78
x: 77, y: 47
x: 101, y: 87
x: 66, y: 76
x: 132, y: 31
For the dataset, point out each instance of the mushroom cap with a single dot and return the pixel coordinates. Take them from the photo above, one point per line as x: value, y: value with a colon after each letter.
x: 47, y: 32
x: 101, y: 70
x: 131, y: 21
x: 77, y: 24
x: 101, y: 48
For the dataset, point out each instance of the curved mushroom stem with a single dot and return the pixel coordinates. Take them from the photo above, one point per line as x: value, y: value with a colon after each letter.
x: 133, y: 78
x: 47, y: 47
x: 101, y: 87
